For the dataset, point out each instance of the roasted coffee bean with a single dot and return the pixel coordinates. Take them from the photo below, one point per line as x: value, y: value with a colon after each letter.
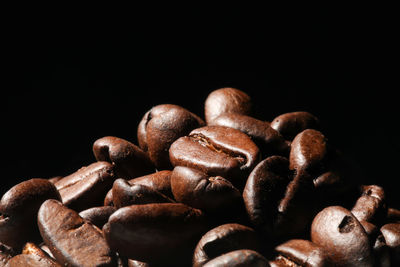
x: 160, y: 127
x: 342, y: 236
x: 160, y: 234
x: 275, y: 201
x: 217, y: 151
x: 6, y: 254
x: 134, y: 263
x: 32, y: 256
x: 98, y: 215
x: 391, y: 233
x: 18, y: 211
x: 158, y: 181
x: 199, y: 190
x: 223, y: 239
x: 371, y: 206
x: 393, y: 215
x: 302, y: 253
x: 381, y: 252
x: 308, y: 151
x: 226, y: 100
x: 72, y: 240
x: 130, y: 161
x: 125, y: 194
x: 86, y: 187
x: 267, y: 139
x: 239, y: 258
x: 293, y: 123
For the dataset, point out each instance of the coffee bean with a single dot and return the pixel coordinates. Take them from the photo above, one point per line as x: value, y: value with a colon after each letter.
x: 273, y: 198
x: 291, y: 124
x: 371, y: 206
x: 129, y: 160
x: 226, y: 100
x: 223, y: 239
x: 391, y: 233
x: 32, y: 256
x: 160, y: 127
x: 163, y: 233
x: 18, y: 211
x: 302, y: 253
x: 125, y: 194
x: 393, y: 215
x: 98, y: 215
x: 86, y: 187
x: 308, y: 151
x: 342, y: 236
x: 199, y: 190
x: 217, y: 151
x: 72, y: 240
x: 267, y: 139
x: 239, y: 258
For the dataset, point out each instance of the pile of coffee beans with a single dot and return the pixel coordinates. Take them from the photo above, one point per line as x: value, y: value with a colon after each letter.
x: 229, y: 190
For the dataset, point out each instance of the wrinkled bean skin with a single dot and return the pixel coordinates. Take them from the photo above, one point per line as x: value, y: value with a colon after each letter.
x: 239, y: 258
x: 208, y: 193
x: 217, y: 151
x: 98, y: 215
x: 72, y: 240
x: 155, y: 233
x: 223, y: 239
x: 129, y: 160
x: 86, y: 187
x: 304, y: 253
x: 226, y: 100
x: 391, y: 233
x: 18, y: 211
x: 267, y: 139
x: 275, y: 201
x: 158, y: 181
x: 291, y: 124
x: 371, y: 206
x: 32, y: 256
x: 160, y: 127
x: 342, y: 236
x: 125, y: 194
x: 308, y: 151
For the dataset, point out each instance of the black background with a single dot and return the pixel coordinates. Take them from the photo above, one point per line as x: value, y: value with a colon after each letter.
x: 68, y: 81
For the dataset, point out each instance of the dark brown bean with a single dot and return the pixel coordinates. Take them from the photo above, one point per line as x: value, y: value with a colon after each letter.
x: 226, y: 100
x: 18, y: 211
x: 291, y: 124
x: 217, y: 151
x: 391, y: 233
x: 72, y: 240
x: 342, y: 236
x: 199, y: 190
x: 155, y: 233
x: 371, y: 206
x: 276, y: 202
x: 239, y: 258
x: 32, y: 256
x: 125, y: 194
x: 223, y: 239
x: 308, y: 151
x: 267, y: 139
x: 303, y: 253
x: 98, y: 215
x: 160, y: 127
x: 86, y: 187
x: 393, y: 215
x: 130, y: 161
